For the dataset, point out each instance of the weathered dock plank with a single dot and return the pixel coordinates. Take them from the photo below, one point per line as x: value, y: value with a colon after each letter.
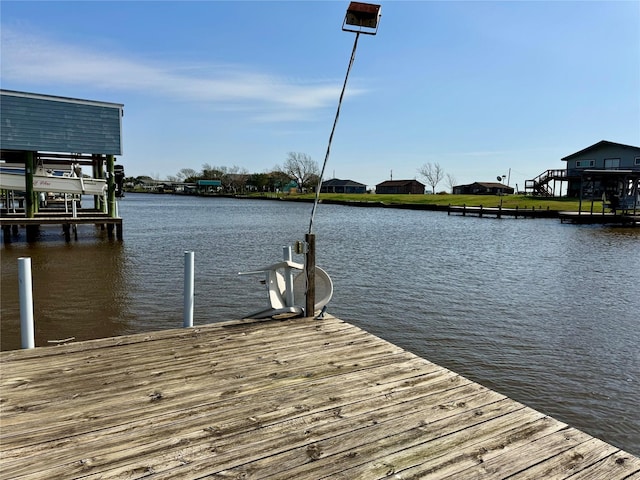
x: 301, y: 398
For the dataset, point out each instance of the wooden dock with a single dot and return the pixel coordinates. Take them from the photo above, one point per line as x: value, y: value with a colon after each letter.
x: 10, y: 223
x: 588, y: 218
x: 288, y: 399
x: 499, y: 212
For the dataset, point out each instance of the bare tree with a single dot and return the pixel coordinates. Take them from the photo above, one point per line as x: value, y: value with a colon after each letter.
x: 302, y: 168
x: 187, y: 175
x: 235, y: 179
x: 212, y: 173
x: 433, y: 173
x: 451, y: 181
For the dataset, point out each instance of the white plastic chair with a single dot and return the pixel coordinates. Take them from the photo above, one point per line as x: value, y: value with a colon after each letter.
x: 278, y: 279
x: 286, y: 289
x: 324, y: 288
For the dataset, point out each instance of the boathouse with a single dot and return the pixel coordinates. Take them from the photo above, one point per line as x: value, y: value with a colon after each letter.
x: 400, y: 187
x: 35, y: 122
x: 41, y: 134
x: 335, y: 185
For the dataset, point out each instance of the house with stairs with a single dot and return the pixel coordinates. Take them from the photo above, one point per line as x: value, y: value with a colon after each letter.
x: 603, y: 170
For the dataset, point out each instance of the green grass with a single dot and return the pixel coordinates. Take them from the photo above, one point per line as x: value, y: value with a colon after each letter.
x: 508, y: 201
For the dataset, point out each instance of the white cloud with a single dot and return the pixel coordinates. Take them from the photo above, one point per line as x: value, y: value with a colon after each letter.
x: 30, y: 59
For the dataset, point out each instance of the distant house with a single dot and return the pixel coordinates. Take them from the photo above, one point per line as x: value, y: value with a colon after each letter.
x: 336, y: 185
x: 290, y: 187
x: 482, y: 188
x: 400, y: 186
x: 208, y: 186
x: 610, y: 162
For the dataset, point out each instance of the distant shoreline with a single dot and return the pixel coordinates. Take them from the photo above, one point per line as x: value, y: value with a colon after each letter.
x: 546, y: 207
x: 530, y: 213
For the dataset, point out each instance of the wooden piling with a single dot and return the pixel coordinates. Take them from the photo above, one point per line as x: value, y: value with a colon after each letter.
x: 310, y: 266
x: 30, y: 201
x: 111, y: 187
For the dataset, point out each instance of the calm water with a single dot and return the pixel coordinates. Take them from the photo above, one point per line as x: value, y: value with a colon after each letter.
x: 546, y: 313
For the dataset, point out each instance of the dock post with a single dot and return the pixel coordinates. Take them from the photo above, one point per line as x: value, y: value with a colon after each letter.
x: 26, y: 303
x: 188, y: 288
x: 74, y: 213
x: 30, y: 195
x: 32, y: 232
x: 310, y: 265
x: 98, y: 172
x: 6, y: 234
x: 480, y: 215
x: 119, y: 235
x: 111, y: 187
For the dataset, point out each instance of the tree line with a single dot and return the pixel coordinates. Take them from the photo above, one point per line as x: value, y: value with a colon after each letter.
x: 298, y: 167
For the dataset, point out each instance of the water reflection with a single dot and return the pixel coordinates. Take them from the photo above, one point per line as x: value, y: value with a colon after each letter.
x: 80, y: 290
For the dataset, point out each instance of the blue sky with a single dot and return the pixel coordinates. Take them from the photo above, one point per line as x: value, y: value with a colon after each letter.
x: 479, y: 87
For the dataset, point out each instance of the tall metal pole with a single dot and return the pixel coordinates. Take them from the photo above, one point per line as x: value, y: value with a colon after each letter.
x: 333, y: 129
x: 310, y: 263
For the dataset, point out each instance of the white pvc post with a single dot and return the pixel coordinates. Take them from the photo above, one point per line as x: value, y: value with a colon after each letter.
x: 26, y: 303
x: 74, y: 208
x: 288, y: 277
x: 188, y: 288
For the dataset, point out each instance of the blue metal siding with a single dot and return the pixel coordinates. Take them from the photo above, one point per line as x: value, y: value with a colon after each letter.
x: 59, y: 125
x: 602, y: 151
